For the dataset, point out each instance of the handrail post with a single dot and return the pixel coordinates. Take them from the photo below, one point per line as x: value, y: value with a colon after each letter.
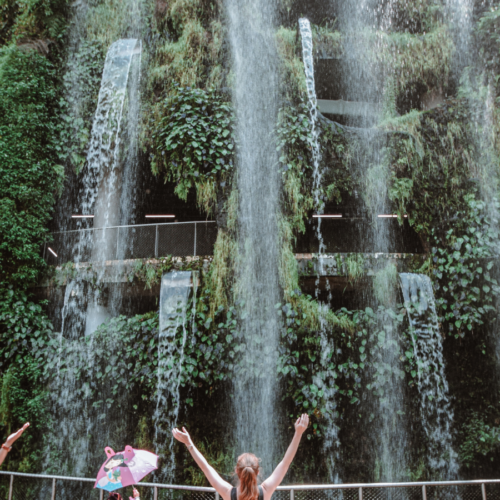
x: 360, y: 493
x: 424, y: 493
x: 117, y: 243
x: 156, y: 242
x: 155, y: 495
x: 53, y: 489
x: 195, y: 239
x: 292, y: 494
x: 11, y: 486
x: 483, y: 490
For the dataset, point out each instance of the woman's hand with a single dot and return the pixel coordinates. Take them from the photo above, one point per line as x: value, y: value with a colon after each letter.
x: 14, y: 437
x: 302, y: 423
x: 182, y: 436
x: 136, y: 493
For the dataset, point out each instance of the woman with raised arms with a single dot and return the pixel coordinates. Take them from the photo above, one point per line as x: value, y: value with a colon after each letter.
x: 247, y: 468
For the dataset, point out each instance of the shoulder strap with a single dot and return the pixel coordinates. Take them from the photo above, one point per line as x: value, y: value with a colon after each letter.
x: 234, y: 493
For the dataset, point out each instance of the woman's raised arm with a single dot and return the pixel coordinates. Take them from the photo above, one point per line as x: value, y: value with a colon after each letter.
x: 274, y: 480
x: 222, y: 487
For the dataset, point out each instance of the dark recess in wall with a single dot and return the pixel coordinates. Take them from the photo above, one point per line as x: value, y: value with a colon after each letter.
x: 318, y: 12
x: 152, y: 196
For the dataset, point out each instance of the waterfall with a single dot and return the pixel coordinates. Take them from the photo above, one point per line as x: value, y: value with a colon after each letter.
x: 307, y: 56
x: 331, y: 440
x: 435, y: 407
x: 460, y: 15
x: 74, y: 421
x: 86, y: 304
x: 364, y: 80
x: 477, y: 85
x: 102, y: 180
x: 174, y: 294
x: 255, y: 99
x: 389, y: 426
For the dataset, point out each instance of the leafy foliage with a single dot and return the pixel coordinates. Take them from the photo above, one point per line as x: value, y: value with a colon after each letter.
x: 436, y: 192
x: 81, y: 82
x: 30, y: 176
x: 489, y: 43
x: 194, y: 139
x: 479, y: 438
x: 294, y: 143
x: 24, y: 334
x: 464, y: 272
x: 32, y: 18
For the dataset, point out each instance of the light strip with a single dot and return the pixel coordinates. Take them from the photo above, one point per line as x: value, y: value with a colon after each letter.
x: 328, y: 216
x: 389, y: 216
x: 76, y: 216
x: 52, y: 251
x: 160, y: 216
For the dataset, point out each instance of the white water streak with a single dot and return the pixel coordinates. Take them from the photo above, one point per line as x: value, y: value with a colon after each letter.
x: 326, y: 383
x: 255, y: 97
x: 174, y: 294
x: 84, y: 308
x: 435, y: 407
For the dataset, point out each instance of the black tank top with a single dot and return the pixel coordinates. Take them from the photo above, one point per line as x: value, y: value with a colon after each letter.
x: 234, y: 494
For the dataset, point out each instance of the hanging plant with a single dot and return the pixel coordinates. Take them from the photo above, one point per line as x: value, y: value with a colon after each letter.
x: 194, y: 141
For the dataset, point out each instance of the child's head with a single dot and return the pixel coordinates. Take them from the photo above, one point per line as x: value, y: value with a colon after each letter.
x: 115, y: 461
x: 114, y: 495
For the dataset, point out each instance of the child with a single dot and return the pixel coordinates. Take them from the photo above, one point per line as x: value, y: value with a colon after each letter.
x: 116, y: 496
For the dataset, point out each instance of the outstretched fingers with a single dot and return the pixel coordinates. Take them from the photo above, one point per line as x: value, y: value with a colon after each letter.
x: 183, y: 437
x: 302, y: 423
x: 14, y: 437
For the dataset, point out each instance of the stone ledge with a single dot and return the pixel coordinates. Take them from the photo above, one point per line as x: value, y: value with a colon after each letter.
x: 111, y: 271
x: 334, y: 265
x: 337, y: 264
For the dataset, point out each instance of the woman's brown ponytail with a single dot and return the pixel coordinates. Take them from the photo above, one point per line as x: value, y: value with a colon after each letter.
x: 247, y: 470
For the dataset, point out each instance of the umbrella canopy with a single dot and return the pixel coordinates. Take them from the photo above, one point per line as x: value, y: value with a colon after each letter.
x: 125, y: 468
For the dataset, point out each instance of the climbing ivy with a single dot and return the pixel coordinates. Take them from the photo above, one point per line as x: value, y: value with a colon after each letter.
x: 194, y: 139
x: 22, y: 19
x: 30, y: 174
x: 466, y: 285
x: 80, y: 85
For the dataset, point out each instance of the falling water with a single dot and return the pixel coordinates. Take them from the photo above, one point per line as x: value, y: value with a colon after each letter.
x: 362, y: 81
x: 319, y: 204
x: 72, y: 411
x: 435, y: 408
x: 459, y: 14
x: 330, y: 430
x: 86, y: 304
x: 477, y: 85
x: 174, y: 294
x: 390, y: 433
x: 102, y: 180
x: 104, y: 176
x: 255, y: 98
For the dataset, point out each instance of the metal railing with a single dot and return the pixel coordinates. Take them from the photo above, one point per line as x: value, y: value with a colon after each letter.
x: 17, y: 486
x: 143, y: 241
